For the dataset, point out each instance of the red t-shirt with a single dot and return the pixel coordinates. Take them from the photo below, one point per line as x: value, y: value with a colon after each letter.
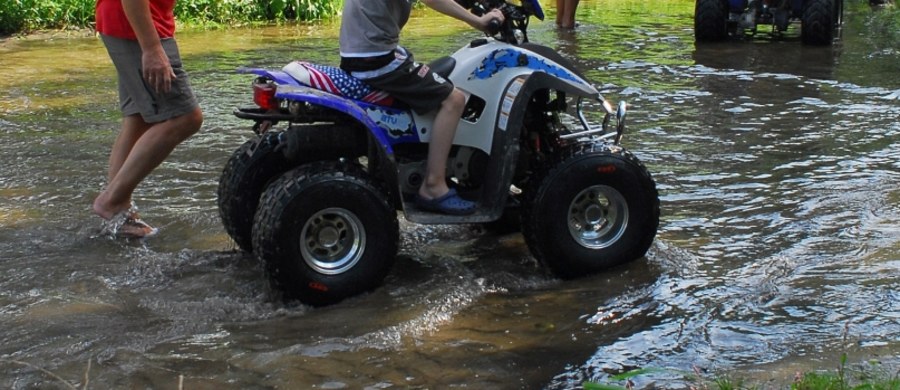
x: 111, y: 20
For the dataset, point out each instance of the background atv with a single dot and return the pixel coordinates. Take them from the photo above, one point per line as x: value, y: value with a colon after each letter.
x: 716, y: 20
x: 317, y: 201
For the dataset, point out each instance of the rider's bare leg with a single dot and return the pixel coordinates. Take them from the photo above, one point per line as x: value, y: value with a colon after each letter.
x: 445, y: 122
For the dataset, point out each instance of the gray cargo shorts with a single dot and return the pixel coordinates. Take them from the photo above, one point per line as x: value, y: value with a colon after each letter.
x: 411, y: 82
x: 135, y: 96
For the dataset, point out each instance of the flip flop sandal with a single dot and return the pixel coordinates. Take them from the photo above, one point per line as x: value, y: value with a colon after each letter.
x: 127, y: 224
x: 136, y: 228
x: 449, y: 203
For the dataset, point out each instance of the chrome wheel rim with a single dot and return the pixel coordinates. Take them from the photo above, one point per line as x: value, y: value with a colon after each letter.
x: 598, y: 216
x: 332, y: 241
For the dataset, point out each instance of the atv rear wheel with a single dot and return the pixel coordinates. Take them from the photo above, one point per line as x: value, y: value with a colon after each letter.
x: 710, y: 20
x: 245, y: 176
x: 595, y: 209
x: 325, y: 232
x: 819, y: 22
x: 264, y: 158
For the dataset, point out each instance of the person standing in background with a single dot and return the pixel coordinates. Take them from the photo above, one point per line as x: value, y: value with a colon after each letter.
x: 158, y: 107
x: 565, y: 13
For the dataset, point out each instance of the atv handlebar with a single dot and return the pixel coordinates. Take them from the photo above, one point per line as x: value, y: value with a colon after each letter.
x: 494, y: 26
x: 514, y: 27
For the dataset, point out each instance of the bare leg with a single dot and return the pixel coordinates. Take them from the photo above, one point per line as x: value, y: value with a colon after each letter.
x: 445, y: 123
x: 560, y: 11
x: 133, y: 127
x: 565, y: 16
x: 139, y: 149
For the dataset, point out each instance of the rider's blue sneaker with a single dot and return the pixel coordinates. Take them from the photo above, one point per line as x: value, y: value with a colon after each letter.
x: 449, y: 203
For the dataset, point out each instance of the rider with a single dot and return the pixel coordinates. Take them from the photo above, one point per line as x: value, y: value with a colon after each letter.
x: 370, y: 32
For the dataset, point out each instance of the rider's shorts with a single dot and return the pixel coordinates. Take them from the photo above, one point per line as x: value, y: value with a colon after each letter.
x: 412, y: 83
x: 135, y: 95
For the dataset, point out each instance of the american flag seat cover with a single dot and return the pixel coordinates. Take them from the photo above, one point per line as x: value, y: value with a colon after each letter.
x: 335, y: 80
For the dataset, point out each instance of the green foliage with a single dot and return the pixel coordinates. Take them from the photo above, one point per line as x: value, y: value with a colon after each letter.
x: 886, y: 22
x: 28, y: 15
x: 731, y: 384
x: 600, y: 386
x: 871, y: 376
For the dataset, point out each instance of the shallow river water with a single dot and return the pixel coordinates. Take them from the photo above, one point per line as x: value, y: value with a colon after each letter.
x: 778, y: 251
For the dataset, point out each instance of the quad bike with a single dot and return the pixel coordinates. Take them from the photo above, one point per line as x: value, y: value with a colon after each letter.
x: 716, y: 20
x: 318, y: 200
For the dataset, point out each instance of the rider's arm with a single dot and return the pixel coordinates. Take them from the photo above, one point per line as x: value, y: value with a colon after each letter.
x: 154, y: 62
x: 451, y: 8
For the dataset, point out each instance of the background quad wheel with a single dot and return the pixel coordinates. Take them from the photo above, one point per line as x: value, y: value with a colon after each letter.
x: 243, y: 179
x: 710, y: 20
x: 596, y: 208
x: 325, y: 232
x: 819, y: 21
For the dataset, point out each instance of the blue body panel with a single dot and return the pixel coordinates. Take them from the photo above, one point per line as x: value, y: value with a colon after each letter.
x: 737, y: 5
x: 536, y: 6
x: 390, y: 126
x: 741, y: 6
x: 276, y: 75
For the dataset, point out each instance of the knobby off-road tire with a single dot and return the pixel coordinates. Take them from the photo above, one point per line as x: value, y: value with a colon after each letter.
x: 595, y: 208
x: 819, y: 22
x: 243, y: 179
x: 262, y: 159
x: 325, y: 231
x: 710, y: 20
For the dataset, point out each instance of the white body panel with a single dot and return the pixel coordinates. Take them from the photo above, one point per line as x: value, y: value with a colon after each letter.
x: 486, y: 71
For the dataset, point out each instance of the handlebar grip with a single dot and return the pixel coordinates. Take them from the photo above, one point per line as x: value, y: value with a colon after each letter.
x: 494, y: 26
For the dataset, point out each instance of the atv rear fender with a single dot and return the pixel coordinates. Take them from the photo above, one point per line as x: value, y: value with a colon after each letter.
x: 303, y: 94
x: 279, y: 77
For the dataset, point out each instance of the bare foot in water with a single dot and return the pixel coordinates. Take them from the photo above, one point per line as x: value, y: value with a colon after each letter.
x: 107, y: 211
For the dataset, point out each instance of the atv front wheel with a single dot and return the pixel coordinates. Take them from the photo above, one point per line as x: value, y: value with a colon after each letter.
x: 245, y: 176
x: 819, y: 22
x: 325, y: 232
x: 595, y: 209
x: 710, y: 20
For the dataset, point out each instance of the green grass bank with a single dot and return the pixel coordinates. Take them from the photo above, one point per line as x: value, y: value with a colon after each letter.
x: 25, y: 16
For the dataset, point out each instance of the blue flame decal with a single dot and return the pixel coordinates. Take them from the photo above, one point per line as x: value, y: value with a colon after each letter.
x: 510, y: 58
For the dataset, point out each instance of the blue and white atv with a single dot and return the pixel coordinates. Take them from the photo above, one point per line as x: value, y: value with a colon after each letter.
x: 716, y: 20
x: 318, y: 200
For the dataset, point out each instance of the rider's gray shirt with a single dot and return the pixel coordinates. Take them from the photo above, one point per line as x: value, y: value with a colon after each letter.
x: 371, y: 28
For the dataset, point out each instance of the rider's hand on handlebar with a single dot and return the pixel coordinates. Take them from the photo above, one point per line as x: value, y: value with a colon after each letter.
x: 484, y: 21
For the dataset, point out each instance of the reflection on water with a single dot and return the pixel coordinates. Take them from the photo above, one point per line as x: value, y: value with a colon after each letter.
x: 778, y: 250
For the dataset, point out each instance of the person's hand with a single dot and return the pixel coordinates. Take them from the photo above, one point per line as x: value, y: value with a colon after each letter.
x: 485, y: 19
x: 157, y: 70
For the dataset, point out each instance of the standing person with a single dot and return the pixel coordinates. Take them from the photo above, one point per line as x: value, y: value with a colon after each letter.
x: 565, y: 13
x: 158, y: 107
x: 370, y: 51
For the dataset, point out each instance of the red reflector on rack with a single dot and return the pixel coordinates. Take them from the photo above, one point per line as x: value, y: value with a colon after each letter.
x: 264, y: 96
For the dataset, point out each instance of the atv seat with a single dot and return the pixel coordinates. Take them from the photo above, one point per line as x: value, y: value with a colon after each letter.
x: 336, y: 81
x: 443, y: 66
